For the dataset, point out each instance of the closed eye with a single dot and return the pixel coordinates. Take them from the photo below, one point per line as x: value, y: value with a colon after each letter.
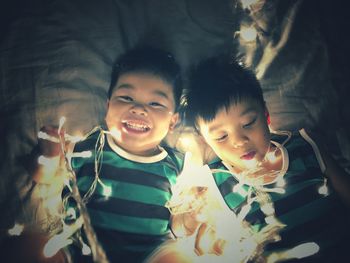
x: 221, y: 138
x: 249, y: 123
x: 124, y: 98
x: 157, y: 105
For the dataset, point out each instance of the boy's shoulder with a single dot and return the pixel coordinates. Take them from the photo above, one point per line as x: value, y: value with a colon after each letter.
x: 288, y: 138
x: 176, y: 156
x: 89, y: 141
x: 216, y: 163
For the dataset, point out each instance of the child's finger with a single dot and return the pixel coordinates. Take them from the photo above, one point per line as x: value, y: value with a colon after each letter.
x: 198, y: 245
x: 218, y: 247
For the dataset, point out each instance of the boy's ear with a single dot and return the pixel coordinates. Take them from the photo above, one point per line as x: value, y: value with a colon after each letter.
x: 201, y: 138
x: 267, y: 115
x: 174, y: 120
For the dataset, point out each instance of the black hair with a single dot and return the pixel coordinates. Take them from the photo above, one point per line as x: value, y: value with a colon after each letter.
x: 147, y: 59
x: 214, y: 84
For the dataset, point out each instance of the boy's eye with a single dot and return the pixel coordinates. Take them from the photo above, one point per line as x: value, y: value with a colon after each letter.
x: 221, y: 138
x: 157, y: 104
x: 125, y: 98
x: 247, y: 125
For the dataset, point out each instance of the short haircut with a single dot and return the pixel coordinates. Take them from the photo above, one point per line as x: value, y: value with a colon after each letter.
x: 214, y: 84
x: 150, y: 60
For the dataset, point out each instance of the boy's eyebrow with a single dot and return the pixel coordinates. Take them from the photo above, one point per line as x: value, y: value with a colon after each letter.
x: 125, y: 86
x: 248, y: 110
x: 215, y: 127
x: 156, y: 92
x: 218, y: 126
x: 161, y: 93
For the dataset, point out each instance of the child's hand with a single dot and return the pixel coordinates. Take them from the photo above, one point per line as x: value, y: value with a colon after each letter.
x: 207, y: 242
x: 191, y: 213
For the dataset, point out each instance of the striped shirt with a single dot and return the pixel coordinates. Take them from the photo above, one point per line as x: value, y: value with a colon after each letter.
x: 130, y: 219
x: 309, y: 216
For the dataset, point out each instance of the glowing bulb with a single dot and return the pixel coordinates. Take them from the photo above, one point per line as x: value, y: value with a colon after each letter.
x: 55, y: 244
x: 323, y: 190
x: 62, y: 239
x: 48, y: 161
x: 107, y: 190
x: 73, y: 138
x: 45, y: 136
x: 250, y: 164
x: 271, y: 157
x: 84, y: 154
x: 267, y: 209
x: 62, y: 121
x: 270, y: 220
x: 281, y: 182
x: 248, y: 34
x: 115, y: 133
x: 247, y: 3
x: 186, y: 140
x: 200, y: 217
x: 239, y: 189
x: 16, y: 230
x: 303, y: 250
x: 86, y: 250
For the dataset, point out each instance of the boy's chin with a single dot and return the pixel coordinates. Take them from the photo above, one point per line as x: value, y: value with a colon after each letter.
x: 138, y: 148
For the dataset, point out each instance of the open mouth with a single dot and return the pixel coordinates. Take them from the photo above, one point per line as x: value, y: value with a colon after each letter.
x: 136, y: 126
x: 248, y: 156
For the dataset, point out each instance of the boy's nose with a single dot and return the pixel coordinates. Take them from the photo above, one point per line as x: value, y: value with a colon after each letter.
x: 139, y: 109
x: 239, y: 141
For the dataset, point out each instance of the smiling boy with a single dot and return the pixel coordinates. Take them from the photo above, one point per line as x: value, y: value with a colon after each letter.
x: 142, y: 108
x: 127, y: 180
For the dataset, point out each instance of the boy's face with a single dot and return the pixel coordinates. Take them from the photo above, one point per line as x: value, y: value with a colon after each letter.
x: 141, y: 112
x: 239, y: 135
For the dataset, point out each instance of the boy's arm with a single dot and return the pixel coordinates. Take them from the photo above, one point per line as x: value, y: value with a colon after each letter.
x: 44, y: 169
x: 337, y: 176
x: 184, y: 224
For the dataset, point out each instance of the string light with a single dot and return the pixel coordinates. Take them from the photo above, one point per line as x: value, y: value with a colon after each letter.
x: 48, y: 161
x: 116, y: 134
x: 323, y: 190
x: 44, y: 136
x: 298, y: 252
x: 62, y: 121
x: 64, y: 238
x: 248, y: 3
x: 83, y: 154
x: 303, y: 250
x: 107, y: 190
x: 16, y: 230
x: 271, y: 157
x: 251, y: 164
x: 248, y: 34
x: 85, y: 250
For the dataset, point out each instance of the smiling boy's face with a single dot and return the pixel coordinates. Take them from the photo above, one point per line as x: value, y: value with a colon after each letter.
x: 238, y: 135
x: 141, y: 112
